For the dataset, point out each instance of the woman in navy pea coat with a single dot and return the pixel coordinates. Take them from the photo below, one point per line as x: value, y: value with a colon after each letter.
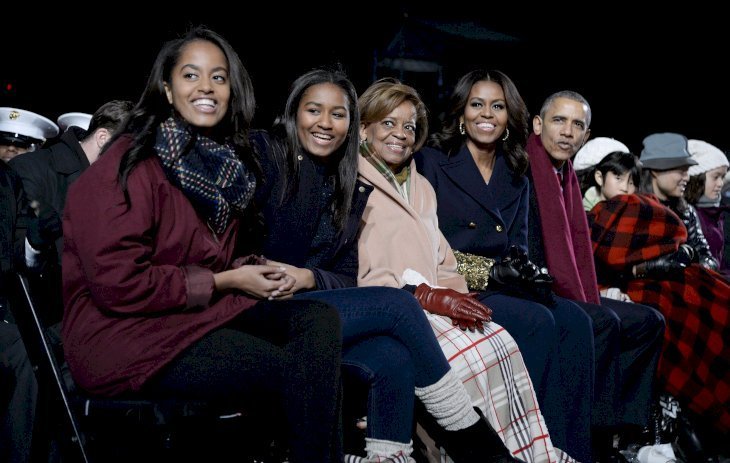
x: 476, y: 165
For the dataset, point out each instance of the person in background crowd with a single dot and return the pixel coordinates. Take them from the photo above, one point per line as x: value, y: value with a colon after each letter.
x: 640, y: 245
x: 22, y: 131
x: 627, y: 337
x: 18, y: 386
x: 617, y: 172
x: 666, y: 162
x: 68, y: 120
x: 160, y: 296
x: 704, y: 189
x: 48, y: 173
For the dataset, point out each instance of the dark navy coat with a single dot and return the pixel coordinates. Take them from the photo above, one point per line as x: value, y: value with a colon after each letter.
x: 291, y: 227
x: 479, y: 218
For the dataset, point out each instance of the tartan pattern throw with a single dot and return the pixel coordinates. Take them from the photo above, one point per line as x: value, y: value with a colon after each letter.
x: 695, y: 362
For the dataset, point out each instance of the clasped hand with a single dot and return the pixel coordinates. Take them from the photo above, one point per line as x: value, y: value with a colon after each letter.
x: 262, y: 281
x: 464, y: 311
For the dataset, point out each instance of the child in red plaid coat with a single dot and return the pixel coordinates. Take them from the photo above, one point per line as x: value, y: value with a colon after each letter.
x: 639, y: 247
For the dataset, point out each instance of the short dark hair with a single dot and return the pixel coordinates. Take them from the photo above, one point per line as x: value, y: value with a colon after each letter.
x: 570, y: 95
x: 109, y: 116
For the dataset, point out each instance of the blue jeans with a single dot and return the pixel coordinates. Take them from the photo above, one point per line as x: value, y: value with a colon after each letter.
x: 372, y: 318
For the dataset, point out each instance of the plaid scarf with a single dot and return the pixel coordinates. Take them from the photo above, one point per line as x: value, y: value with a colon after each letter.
x: 212, y: 177
x: 400, y: 181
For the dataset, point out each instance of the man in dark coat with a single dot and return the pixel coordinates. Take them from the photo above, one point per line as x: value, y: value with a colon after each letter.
x: 48, y: 173
x: 628, y: 337
x: 18, y: 387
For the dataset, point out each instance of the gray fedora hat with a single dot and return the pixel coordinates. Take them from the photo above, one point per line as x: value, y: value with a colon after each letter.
x: 664, y: 151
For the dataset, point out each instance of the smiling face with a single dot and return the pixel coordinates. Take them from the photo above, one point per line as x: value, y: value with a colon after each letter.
x: 563, y: 130
x: 323, y: 119
x: 714, y: 180
x: 199, y: 88
x: 670, y: 183
x: 485, y: 115
x: 393, y: 137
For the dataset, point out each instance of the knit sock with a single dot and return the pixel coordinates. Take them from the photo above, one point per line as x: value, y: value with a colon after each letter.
x: 380, y: 449
x: 448, y: 402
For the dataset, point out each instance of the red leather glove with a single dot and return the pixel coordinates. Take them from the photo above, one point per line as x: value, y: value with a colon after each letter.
x: 463, y: 309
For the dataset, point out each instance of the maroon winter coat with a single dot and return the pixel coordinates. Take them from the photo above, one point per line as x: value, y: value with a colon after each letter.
x: 137, y: 281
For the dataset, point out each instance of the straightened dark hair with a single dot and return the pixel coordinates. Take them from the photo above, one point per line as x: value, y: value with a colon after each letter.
x: 618, y: 162
x: 287, y: 147
x: 449, y: 139
x: 153, y: 107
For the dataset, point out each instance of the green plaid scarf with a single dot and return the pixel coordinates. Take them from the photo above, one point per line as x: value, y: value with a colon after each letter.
x: 400, y: 181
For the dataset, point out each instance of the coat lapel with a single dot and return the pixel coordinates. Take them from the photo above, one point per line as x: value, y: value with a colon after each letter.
x: 464, y: 173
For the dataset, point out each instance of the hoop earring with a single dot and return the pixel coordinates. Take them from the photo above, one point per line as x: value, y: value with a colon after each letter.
x: 462, y: 129
x: 506, y: 134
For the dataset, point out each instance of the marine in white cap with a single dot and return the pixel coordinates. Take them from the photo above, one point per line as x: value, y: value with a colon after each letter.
x: 67, y: 120
x: 22, y: 131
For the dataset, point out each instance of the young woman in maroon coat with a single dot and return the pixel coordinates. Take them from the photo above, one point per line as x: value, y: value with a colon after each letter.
x: 155, y: 300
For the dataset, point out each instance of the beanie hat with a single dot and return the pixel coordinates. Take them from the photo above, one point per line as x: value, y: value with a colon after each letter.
x: 708, y: 157
x: 595, y: 150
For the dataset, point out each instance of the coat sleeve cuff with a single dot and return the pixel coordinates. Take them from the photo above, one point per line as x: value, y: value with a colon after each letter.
x: 200, y: 285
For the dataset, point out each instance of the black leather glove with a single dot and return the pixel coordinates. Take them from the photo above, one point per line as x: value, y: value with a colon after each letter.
x: 464, y: 311
x: 668, y: 266
x: 515, y: 272
x: 516, y: 269
x: 44, y: 227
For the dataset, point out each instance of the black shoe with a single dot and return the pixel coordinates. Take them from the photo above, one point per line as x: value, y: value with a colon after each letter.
x: 479, y: 443
x: 611, y: 456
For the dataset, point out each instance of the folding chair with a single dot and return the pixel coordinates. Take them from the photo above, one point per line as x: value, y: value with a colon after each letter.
x: 102, y: 429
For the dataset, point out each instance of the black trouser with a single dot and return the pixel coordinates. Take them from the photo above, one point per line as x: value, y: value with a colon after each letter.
x: 18, y: 382
x: 628, y: 340
x: 286, y: 354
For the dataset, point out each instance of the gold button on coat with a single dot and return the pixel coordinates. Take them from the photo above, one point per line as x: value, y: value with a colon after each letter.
x: 499, y: 228
x: 472, y: 225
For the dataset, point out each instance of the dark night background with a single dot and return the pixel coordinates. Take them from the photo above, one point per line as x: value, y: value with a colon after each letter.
x: 642, y: 74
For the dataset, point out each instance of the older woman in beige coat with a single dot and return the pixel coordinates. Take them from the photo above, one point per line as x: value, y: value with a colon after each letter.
x: 401, y: 246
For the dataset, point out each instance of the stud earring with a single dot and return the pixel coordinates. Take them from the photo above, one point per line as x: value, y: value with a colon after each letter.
x: 462, y: 129
x: 506, y: 134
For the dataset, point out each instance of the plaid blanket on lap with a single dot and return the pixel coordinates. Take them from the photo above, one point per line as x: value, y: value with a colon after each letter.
x: 695, y: 363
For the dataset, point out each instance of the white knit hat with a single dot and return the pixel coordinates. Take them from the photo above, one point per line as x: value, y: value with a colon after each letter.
x: 595, y: 150
x: 707, y: 156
